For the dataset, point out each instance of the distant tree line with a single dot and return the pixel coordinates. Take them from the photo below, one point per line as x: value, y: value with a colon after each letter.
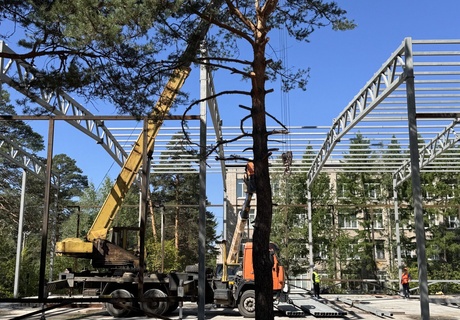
x: 353, y: 221
x: 76, y: 204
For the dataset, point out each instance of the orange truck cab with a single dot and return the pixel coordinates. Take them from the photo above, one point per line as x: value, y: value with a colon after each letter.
x: 277, y: 269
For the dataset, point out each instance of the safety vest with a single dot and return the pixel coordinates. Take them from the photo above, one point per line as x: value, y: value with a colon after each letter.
x: 250, y: 168
x: 316, y: 278
x: 405, y: 278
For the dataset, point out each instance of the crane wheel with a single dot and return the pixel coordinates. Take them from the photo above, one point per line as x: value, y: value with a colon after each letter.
x: 152, y: 307
x: 121, y: 308
x: 247, y: 304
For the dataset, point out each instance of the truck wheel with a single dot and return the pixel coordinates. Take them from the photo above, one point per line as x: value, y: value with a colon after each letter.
x: 152, y: 306
x: 122, y: 308
x: 247, y: 305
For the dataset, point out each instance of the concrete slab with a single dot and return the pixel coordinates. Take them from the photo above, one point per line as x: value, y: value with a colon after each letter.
x: 402, y: 309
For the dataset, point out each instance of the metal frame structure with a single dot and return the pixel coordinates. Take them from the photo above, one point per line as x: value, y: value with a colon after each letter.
x: 429, y: 118
x: 379, y: 113
x: 416, y: 93
x: 18, y: 74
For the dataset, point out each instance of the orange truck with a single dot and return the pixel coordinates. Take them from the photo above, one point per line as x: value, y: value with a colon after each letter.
x: 118, y: 278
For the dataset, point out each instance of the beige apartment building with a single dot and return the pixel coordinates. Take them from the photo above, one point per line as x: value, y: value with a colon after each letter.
x: 382, y: 229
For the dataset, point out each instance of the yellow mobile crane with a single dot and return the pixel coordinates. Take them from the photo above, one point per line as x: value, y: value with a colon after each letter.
x: 97, y: 247
x: 120, y: 280
x: 161, y: 292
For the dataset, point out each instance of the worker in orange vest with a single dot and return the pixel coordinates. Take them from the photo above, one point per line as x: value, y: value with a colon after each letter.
x: 249, y: 177
x: 405, y: 278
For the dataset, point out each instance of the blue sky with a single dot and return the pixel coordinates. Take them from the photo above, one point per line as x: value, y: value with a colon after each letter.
x: 340, y: 65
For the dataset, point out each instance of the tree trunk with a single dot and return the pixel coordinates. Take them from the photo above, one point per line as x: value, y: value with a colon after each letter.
x: 262, y: 226
x: 152, y: 214
x: 176, y: 215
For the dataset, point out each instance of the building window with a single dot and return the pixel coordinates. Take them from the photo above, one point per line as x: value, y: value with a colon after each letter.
x: 348, y: 221
x: 427, y: 191
x: 433, y: 253
x: 379, y: 250
x: 353, y: 252
x: 378, y: 219
x: 342, y: 189
x: 453, y: 222
x: 240, y: 188
x: 276, y: 189
x: 252, y: 217
x: 451, y: 190
x: 432, y: 220
x: 322, y: 251
x: 372, y: 190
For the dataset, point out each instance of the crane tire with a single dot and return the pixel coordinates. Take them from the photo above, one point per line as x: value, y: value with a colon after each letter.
x: 154, y: 307
x: 119, y: 309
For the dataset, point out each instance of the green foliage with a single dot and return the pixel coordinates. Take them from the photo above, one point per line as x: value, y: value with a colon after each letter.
x: 124, y: 50
x: 290, y: 220
x: 18, y: 130
x: 179, y: 193
x: 82, y: 214
x: 7, y: 261
x: 158, y: 260
x: 71, y: 180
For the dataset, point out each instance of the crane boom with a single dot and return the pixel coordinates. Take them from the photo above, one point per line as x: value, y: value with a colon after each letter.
x: 96, y: 246
x: 109, y: 209
x: 243, y: 217
x: 125, y: 179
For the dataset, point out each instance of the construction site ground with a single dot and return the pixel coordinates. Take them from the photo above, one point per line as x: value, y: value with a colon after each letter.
x: 346, y: 307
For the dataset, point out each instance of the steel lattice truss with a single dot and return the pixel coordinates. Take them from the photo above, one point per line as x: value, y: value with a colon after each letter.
x: 17, y: 155
x: 378, y: 113
x: 18, y: 74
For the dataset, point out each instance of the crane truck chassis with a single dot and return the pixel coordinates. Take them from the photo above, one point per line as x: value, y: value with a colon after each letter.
x: 230, y: 286
x: 160, y: 293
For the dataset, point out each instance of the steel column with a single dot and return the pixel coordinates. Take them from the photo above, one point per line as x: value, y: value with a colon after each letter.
x: 202, y: 199
x: 416, y: 184
x: 20, y: 235
x: 397, y: 233
x: 49, y: 165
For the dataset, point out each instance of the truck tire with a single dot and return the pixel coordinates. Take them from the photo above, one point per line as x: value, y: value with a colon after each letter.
x: 122, y: 308
x: 154, y: 307
x: 247, y: 304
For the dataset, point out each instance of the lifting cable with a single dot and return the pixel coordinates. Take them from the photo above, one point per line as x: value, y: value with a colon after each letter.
x: 285, y: 107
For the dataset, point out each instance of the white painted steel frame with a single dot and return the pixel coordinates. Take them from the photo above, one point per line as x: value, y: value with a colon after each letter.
x: 436, y: 102
x: 17, y: 74
x: 437, y: 85
x: 17, y: 155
